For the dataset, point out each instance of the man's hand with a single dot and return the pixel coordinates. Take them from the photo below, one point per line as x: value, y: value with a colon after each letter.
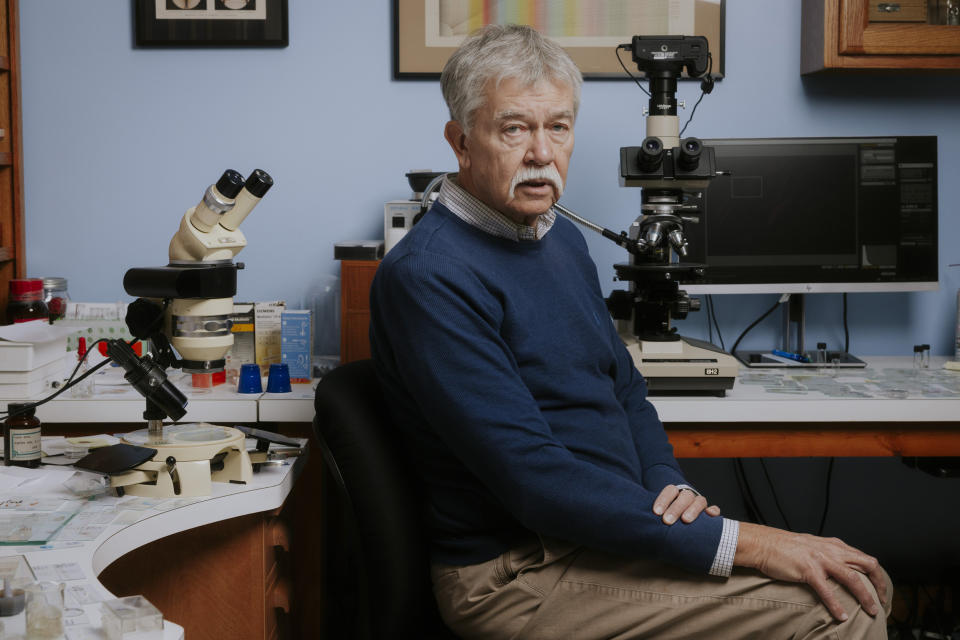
x: 799, y: 557
x: 673, y: 503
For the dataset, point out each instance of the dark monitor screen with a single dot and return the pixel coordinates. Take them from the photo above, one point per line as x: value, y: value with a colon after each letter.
x: 802, y: 215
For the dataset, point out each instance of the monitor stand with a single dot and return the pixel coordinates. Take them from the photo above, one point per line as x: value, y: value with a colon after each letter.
x: 798, y: 357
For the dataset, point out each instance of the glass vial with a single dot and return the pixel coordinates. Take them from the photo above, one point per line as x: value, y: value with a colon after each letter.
x: 21, y: 436
x: 26, y: 301
x: 84, y: 388
x: 55, y: 296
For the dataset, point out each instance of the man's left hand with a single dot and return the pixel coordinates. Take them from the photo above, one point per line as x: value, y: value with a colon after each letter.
x: 674, y: 502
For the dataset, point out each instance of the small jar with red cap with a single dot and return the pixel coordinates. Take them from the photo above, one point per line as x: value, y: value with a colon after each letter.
x: 26, y: 301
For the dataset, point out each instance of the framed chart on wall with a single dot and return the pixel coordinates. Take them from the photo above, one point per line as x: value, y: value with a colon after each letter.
x: 426, y: 32
x: 230, y: 23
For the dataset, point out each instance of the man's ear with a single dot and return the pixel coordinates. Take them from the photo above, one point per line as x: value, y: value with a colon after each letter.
x: 453, y: 132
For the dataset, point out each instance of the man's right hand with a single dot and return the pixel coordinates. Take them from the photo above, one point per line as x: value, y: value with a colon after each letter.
x: 800, y: 557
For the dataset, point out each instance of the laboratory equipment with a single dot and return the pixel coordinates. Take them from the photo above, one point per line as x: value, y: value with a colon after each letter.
x: 11, y: 599
x: 184, y: 310
x: 25, y: 302
x: 131, y: 618
x: 672, y: 174
x: 399, y: 216
x: 82, y: 388
x: 56, y: 297
x: 44, y: 610
x: 278, y: 379
x: 250, y: 379
x: 21, y: 436
x: 817, y: 215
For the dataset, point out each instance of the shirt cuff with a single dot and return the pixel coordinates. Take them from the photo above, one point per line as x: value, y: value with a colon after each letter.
x: 723, y: 561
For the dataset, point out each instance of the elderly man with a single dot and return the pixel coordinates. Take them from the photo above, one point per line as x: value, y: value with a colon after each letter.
x: 556, y: 507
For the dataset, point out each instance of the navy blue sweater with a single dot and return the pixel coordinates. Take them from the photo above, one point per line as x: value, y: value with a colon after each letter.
x: 523, y: 410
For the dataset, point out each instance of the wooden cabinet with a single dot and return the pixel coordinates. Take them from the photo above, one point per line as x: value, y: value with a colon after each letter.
x: 230, y: 579
x: 839, y: 35
x: 12, y: 264
x: 356, y: 276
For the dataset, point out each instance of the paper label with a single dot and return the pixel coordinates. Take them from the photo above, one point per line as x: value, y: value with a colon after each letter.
x: 25, y: 444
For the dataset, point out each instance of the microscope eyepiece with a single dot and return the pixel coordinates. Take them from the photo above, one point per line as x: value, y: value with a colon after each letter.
x: 259, y: 183
x: 690, y: 150
x: 230, y: 183
x: 651, y: 154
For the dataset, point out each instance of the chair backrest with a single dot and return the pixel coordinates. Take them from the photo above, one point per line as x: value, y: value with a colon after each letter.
x: 381, y: 496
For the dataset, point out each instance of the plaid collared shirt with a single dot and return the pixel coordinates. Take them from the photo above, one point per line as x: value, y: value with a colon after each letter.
x: 469, y: 209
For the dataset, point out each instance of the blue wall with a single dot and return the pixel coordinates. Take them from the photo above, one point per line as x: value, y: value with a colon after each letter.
x: 119, y: 141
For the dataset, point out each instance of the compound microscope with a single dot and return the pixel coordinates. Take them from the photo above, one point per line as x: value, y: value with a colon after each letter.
x: 672, y: 174
x: 184, y: 309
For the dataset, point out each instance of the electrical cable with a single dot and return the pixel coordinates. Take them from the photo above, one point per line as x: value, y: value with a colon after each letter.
x: 616, y: 50
x: 773, y: 492
x: 733, y: 349
x: 846, y: 327
x: 709, y: 323
x: 753, y: 509
x: 71, y: 382
x: 692, y: 111
x: 826, y: 500
x: 705, y: 88
x: 713, y: 318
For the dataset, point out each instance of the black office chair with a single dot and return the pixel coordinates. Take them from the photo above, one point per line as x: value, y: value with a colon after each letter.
x: 381, y: 582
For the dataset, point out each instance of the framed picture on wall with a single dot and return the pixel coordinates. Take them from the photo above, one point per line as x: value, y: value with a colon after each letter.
x: 224, y: 23
x: 426, y: 32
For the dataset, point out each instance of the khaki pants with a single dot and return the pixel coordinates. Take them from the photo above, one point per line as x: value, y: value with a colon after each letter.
x: 552, y: 590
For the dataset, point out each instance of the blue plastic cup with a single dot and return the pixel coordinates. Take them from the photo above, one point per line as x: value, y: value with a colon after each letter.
x: 278, y: 381
x: 250, y: 379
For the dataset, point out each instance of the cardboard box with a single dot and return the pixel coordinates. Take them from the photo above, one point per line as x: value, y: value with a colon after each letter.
x: 267, y: 326
x: 295, y: 341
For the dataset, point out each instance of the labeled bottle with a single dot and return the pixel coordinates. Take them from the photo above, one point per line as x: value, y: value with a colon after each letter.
x: 26, y: 301
x: 21, y: 436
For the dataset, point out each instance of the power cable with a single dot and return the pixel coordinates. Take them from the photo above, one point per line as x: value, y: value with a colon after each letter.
x: 826, y: 498
x: 773, y: 492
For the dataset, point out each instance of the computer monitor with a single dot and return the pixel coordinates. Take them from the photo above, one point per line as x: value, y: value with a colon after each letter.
x: 814, y: 215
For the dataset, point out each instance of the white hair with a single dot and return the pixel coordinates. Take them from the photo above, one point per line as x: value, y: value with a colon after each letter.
x: 499, y: 52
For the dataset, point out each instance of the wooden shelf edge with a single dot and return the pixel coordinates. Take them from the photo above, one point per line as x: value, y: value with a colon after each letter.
x: 6, y: 158
x: 4, y: 63
x: 888, y: 64
x: 6, y: 254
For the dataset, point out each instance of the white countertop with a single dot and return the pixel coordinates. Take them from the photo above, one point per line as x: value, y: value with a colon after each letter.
x: 767, y: 395
x: 758, y: 396
x: 268, y: 490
